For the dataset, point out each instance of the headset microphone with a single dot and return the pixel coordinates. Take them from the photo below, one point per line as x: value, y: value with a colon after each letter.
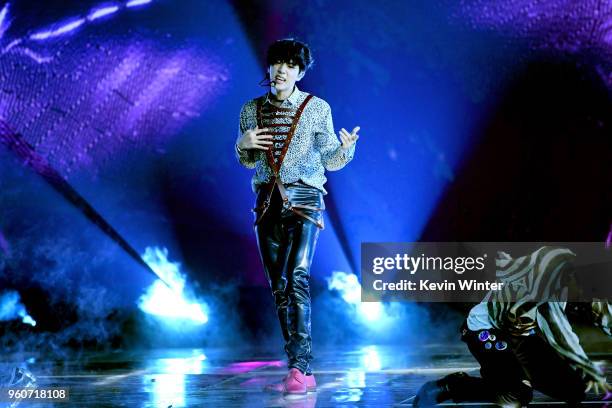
x: 266, y: 82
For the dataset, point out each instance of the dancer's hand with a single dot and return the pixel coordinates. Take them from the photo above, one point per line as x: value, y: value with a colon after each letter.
x: 348, y: 139
x: 598, y: 387
x: 255, y: 139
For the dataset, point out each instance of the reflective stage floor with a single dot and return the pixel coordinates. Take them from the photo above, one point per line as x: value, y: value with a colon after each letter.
x: 372, y: 376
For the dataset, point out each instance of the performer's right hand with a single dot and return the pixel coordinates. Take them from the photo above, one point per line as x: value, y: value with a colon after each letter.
x: 598, y: 387
x: 255, y: 139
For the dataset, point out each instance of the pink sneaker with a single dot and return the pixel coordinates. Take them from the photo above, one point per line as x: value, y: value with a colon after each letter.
x: 311, y: 383
x: 295, y: 382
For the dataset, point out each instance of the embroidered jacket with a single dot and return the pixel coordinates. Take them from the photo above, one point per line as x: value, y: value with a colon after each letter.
x: 314, y: 147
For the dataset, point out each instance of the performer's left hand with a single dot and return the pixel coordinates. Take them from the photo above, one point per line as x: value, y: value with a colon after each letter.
x: 349, y: 139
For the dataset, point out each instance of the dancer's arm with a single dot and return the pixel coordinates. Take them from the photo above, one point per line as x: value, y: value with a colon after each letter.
x: 335, y: 155
x: 250, y: 139
x: 553, y: 323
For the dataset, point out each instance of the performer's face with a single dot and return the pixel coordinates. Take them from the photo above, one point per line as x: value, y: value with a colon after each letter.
x: 284, y: 75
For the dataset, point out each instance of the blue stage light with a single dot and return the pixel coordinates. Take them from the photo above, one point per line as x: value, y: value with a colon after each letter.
x: 11, y: 308
x: 168, y: 299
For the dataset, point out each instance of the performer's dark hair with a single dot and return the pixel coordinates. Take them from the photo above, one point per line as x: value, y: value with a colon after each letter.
x: 290, y: 50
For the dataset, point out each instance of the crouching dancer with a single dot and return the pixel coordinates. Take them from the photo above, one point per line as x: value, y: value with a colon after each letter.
x: 523, y: 340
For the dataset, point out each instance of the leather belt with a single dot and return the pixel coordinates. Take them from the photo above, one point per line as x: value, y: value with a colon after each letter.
x: 295, y: 208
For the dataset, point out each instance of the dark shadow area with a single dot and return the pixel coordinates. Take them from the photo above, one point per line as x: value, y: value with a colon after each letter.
x: 541, y: 171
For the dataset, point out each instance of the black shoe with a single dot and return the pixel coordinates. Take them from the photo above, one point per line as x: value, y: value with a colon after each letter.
x: 431, y: 394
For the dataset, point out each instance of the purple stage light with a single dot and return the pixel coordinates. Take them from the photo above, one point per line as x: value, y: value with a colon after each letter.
x: 101, y: 96
x: 102, y: 12
x: 4, y: 21
x: 64, y: 29
x: 91, y: 104
x: 248, y: 366
x: 567, y: 26
x: 33, y: 55
x: 12, y: 44
x: 95, y: 14
x: 609, y: 239
x: 135, y: 3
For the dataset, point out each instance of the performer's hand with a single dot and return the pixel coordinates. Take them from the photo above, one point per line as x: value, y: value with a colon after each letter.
x: 349, y: 139
x: 598, y: 387
x: 255, y: 139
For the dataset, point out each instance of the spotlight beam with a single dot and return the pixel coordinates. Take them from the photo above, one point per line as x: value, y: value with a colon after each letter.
x: 341, y: 233
x: 22, y: 149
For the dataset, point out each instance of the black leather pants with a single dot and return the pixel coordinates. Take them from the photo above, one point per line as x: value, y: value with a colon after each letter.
x: 286, y: 244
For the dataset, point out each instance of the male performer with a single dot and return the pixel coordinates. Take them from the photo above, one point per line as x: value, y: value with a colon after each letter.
x: 523, y: 339
x: 288, y: 137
